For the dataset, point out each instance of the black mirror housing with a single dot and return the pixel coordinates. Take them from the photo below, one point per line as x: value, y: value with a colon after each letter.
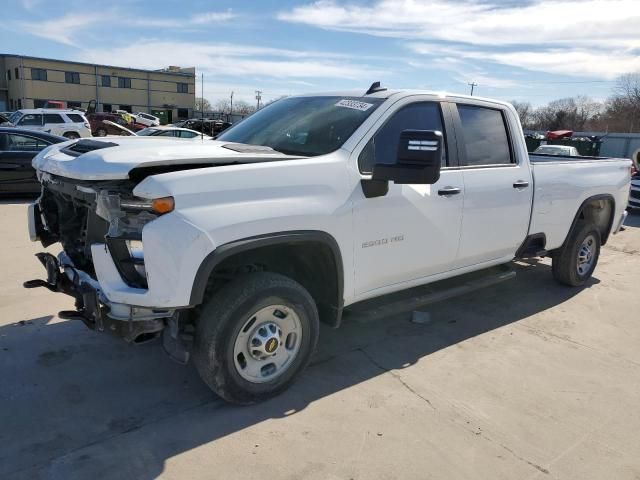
x: 418, y: 160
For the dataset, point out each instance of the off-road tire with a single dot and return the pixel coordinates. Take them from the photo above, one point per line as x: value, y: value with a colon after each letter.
x: 224, y: 314
x: 565, y: 260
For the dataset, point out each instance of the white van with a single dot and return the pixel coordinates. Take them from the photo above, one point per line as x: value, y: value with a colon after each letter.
x: 146, y: 119
x: 67, y: 123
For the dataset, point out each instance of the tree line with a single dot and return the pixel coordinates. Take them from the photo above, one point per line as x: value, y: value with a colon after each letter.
x: 618, y: 113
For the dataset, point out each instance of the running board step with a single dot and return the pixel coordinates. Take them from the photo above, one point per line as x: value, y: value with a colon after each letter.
x: 419, y: 297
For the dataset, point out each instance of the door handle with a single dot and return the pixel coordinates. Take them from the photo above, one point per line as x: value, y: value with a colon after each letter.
x: 446, y: 191
x: 520, y: 184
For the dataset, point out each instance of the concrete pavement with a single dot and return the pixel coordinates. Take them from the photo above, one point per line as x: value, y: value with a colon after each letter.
x: 527, y: 379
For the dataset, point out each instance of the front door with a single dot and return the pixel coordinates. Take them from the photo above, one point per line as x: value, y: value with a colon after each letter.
x: 16, y: 152
x: 412, y: 231
x: 498, y: 187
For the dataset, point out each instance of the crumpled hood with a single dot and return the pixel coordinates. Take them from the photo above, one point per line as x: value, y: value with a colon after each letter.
x: 112, y: 158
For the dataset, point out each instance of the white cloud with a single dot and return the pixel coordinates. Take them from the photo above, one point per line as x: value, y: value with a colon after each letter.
x: 227, y: 60
x: 62, y: 29
x: 69, y: 28
x: 597, y: 38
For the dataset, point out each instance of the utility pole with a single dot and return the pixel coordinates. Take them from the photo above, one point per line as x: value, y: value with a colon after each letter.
x: 258, y: 97
x: 472, y: 84
x: 231, y: 107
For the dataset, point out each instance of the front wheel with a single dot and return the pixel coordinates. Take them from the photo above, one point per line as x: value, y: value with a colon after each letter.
x: 574, y: 263
x: 255, y: 336
x: 71, y: 135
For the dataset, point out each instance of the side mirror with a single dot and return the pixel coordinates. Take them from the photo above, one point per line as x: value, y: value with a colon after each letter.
x: 418, y: 161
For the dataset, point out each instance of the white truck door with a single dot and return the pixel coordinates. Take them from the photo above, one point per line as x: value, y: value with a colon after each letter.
x: 412, y: 231
x: 498, y: 185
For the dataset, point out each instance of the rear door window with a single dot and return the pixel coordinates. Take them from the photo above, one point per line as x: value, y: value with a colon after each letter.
x: 31, y: 119
x: 383, y: 146
x: 486, y: 141
x: 53, y: 118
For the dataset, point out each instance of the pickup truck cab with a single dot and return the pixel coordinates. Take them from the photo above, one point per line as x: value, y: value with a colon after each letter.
x: 236, y: 248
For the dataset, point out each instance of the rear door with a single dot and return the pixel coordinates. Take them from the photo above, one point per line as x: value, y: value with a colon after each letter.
x: 16, y: 173
x: 53, y: 123
x: 412, y: 231
x: 498, y: 185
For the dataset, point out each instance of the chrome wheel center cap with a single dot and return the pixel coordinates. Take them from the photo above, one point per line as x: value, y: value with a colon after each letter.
x: 265, y: 341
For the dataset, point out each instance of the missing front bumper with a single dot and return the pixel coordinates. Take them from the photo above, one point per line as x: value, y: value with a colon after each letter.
x: 131, y: 323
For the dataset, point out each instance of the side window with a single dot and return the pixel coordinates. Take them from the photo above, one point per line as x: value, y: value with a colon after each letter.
x: 75, y: 118
x: 184, y: 134
x: 23, y: 143
x: 53, y: 118
x: 31, y: 120
x: 383, y: 146
x: 485, y: 136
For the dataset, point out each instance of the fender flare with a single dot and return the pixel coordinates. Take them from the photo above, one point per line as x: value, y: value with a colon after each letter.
x: 245, y: 244
x: 603, y: 196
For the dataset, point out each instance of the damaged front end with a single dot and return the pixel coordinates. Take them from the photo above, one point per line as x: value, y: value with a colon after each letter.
x: 83, y: 216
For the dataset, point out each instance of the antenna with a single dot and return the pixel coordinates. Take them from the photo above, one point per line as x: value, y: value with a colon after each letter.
x: 375, y: 87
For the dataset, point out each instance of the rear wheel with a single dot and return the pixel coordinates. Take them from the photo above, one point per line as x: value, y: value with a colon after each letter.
x: 101, y: 132
x: 255, y: 336
x: 574, y: 263
x: 71, y: 135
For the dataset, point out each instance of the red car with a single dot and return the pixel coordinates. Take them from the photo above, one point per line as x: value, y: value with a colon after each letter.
x: 101, y: 129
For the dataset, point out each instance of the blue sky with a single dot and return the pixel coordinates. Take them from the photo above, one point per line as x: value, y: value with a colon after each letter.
x: 530, y: 51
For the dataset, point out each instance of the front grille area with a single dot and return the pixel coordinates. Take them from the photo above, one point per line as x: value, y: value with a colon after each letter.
x: 635, y: 194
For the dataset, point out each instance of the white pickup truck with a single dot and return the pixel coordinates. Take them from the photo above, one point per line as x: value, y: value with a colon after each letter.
x: 312, y: 204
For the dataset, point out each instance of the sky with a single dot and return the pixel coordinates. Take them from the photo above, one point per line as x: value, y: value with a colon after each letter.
x: 534, y: 51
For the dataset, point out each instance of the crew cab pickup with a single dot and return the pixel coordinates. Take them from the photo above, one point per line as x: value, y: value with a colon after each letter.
x: 236, y: 248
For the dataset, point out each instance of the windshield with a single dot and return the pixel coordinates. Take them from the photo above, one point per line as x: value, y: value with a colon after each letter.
x: 147, y: 131
x: 14, y: 117
x: 306, y: 126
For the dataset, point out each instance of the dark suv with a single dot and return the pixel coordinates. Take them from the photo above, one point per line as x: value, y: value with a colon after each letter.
x: 100, y: 129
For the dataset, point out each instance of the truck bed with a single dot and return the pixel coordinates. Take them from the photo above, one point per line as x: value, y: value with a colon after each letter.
x: 563, y: 183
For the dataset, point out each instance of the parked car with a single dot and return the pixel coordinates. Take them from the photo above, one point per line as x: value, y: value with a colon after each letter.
x: 175, y: 132
x: 17, y: 149
x: 308, y: 206
x: 146, y: 119
x: 563, y: 150
x: 102, y: 128
x: 4, y: 118
x: 67, y: 123
x: 206, y: 126
x: 634, y: 193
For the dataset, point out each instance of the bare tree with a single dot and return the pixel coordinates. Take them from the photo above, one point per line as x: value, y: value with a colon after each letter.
x: 222, y: 105
x: 525, y: 111
x: 202, y: 104
x: 243, y: 108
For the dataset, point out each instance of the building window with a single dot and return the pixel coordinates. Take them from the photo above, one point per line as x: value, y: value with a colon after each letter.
x: 74, y: 104
x: 11, y: 104
x: 183, y: 113
x: 19, y: 103
x: 106, y: 80
x: 124, y: 82
x: 126, y: 108
x: 39, y: 103
x: 9, y: 74
x: 17, y: 72
x: 106, y: 107
x: 39, y: 74
x: 183, y: 88
x: 71, y: 77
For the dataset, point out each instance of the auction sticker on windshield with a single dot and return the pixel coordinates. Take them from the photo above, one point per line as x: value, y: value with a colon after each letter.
x: 356, y: 105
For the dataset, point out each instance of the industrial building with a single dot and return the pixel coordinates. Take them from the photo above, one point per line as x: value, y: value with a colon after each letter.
x: 30, y: 82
